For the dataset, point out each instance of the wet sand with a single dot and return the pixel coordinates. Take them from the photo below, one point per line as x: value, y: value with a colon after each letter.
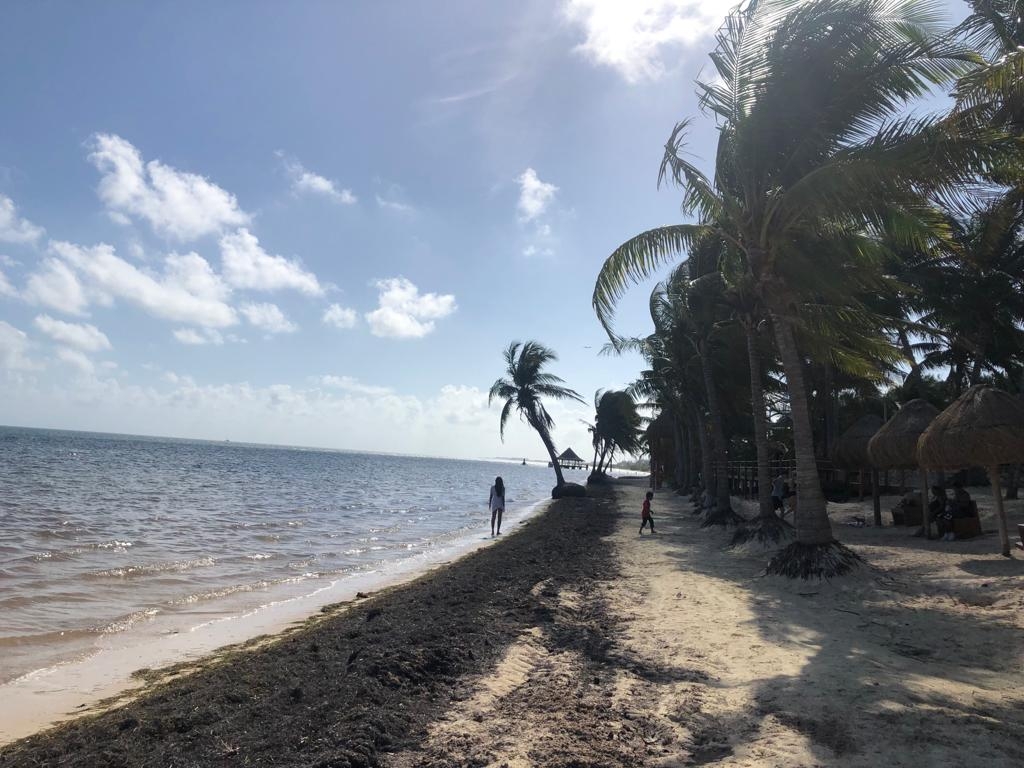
x: 576, y: 642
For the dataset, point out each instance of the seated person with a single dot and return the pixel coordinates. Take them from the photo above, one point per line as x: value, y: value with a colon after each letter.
x: 960, y: 504
x: 909, y: 500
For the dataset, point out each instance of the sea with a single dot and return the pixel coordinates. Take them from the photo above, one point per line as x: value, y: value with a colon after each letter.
x: 115, y: 541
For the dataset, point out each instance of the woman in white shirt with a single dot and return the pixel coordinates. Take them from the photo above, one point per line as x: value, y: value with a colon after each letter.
x: 497, y: 503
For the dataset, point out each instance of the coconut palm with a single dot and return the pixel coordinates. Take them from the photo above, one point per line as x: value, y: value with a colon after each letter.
x: 813, y: 159
x: 616, y: 428
x: 525, y: 387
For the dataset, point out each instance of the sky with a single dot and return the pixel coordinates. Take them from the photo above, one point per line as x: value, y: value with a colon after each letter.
x: 320, y: 223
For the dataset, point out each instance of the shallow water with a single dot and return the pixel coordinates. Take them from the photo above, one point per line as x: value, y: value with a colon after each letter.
x: 104, y: 535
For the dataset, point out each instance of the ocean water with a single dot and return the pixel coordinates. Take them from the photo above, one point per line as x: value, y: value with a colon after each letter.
x: 105, y: 535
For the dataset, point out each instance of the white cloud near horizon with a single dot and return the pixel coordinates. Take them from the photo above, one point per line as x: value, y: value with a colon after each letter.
x: 76, y: 359
x: 13, y: 228
x: 267, y: 317
x: 81, y: 336
x: 329, y: 411
x: 14, y: 349
x: 340, y: 317
x: 404, y: 313
x: 177, y: 204
x: 350, y: 384
x: 534, y: 195
x: 305, y: 181
x: 635, y: 38
x: 247, y: 265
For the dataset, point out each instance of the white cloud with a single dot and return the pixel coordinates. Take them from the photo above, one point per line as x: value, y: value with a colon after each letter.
x: 305, y: 181
x: 6, y: 289
x: 533, y: 250
x: 55, y: 285
x: 82, y: 336
x: 14, y: 349
x: 350, y: 384
x: 198, y: 336
x: 634, y: 37
x: 13, y: 228
x: 247, y: 265
x: 340, y: 317
x: 394, y: 205
x: 177, y: 204
x: 76, y: 359
x: 268, y: 317
x: 534, y: 195
x: 405, y: 314
x: 188, y: 291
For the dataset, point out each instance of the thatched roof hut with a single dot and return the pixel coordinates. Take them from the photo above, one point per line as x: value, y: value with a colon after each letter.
x: 894, y: 446
x: 569, y: 459
x: 851, y: 451
x: 984, y: 427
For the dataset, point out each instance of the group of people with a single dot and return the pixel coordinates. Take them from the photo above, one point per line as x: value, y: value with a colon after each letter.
x: 943, y: 510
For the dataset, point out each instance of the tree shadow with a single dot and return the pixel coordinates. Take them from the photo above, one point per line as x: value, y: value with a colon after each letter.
x: 893, y: 658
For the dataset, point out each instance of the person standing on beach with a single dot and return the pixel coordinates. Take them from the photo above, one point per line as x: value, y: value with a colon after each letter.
x: 645, y: 513
x: 497, y: 503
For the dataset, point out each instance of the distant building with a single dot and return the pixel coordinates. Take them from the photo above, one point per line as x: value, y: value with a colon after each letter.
x: 569, y: 460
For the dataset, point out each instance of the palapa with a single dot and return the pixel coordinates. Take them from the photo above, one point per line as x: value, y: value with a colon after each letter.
x: 851, y: 451
x: 894, y: 446
x: 984, y: 427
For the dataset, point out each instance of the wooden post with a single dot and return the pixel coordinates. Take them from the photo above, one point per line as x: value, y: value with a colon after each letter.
x: 925, y: 522
x: 860, y: 486
x: 997, y: 493
x: 876, y: 499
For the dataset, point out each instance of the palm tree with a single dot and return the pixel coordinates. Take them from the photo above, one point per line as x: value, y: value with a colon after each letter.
x: 813, y: 159
x: 616, y: 427
x: 526, y: 384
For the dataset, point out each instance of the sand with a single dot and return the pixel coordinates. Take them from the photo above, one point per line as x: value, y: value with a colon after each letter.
x: 577, y: 642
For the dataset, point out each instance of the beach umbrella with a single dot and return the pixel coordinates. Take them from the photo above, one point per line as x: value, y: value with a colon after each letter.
x: 851, y: 452
x: 984, y: 427
x: 894, y: 446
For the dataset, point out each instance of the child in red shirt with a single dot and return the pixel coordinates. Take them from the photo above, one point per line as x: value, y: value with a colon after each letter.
x: 645, y: 513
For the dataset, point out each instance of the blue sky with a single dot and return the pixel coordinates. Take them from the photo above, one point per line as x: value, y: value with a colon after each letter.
x: 319, y: 223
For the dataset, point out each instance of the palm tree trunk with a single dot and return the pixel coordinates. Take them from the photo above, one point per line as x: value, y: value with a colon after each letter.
x: 705, y: 451
x: 764, y: 477
x: 545, y: 437
x: 812, y: 523
x: 679, y: 442
x: 720, y: 451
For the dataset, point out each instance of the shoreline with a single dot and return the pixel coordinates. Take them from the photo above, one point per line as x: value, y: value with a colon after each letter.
x: 576, y: 641
x: 353, y: 679
x: 38, y: 699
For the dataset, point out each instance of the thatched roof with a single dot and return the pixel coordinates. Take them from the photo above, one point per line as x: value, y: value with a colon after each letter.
x: 894, y: 446
x: 569, y: 455
x: 984, y: 427
x: 851, y: 451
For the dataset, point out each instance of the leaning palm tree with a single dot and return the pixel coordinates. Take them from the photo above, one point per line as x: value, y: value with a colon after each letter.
x: 524, y: 387
x: 815, y: 157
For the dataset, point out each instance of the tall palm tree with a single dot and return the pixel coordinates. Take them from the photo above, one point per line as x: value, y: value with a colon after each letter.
x: 523, y: 389
x: 814, y: 158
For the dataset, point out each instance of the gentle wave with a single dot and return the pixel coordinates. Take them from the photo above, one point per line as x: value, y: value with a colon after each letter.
x: 130, y: 571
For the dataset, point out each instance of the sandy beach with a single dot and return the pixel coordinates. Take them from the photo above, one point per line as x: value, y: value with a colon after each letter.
x: 577, y: 642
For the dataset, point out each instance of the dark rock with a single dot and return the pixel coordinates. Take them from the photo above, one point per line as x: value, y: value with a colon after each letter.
x: 569, y: 491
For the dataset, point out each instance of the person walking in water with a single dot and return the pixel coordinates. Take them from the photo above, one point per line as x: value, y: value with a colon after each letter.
x: 645, y: 513
x: 497, y: 503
